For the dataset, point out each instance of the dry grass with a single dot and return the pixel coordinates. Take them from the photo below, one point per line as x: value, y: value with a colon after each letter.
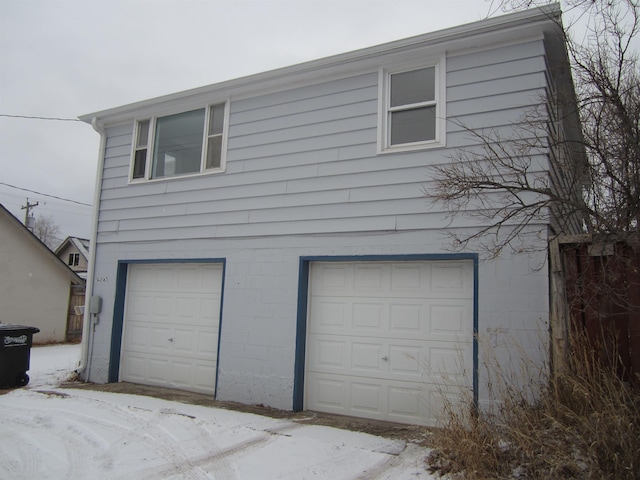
x: 584, y: 424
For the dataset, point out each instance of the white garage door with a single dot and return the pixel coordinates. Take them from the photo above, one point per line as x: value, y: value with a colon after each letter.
x: 388, y: 340
x: 172, y: 316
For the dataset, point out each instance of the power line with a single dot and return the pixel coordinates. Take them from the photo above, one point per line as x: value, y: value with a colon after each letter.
x: 46, y: 195
x: 57, y: 119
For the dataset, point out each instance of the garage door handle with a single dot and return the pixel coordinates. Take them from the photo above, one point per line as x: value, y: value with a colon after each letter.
x: 385, y: 358
x: 171, y: 339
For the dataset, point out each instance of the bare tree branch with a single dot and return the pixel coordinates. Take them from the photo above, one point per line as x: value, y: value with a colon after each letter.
x: 531, y: 177
x: 47, y: 231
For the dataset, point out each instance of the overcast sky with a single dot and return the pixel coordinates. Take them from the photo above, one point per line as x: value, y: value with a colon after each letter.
x: 64, y: 58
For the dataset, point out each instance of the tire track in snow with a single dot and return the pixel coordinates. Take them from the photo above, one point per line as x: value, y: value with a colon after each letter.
x: 138, y: 427
x: 26, y: 465
x: 44, y: 437
x: 222, y: 468
x: 146, y: 430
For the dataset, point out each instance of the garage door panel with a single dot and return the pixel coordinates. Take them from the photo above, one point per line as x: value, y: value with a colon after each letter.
x: 329, y: 354
x: 158, y: 337
x: 370, y: 279
x: 137, y: 336
x: 183, y: 341
x: 406, y: 404
x: 366, y: 398
x: 328, y: 394
x: 164, y: 307
x: 171, y: 326
x: 209, y: 310
x: 136, y: 367
x: 206, y: 347
x: 366, y: 358
x: 140, y: 305
x: 181, y: 373
x: 450, y: 318
x: 417, y: 319
x: 406, y: 361
x: 403, y: 330
x: 187, y: 307
x: 408, y: 318
x: 369, y: 317
x: 157, y: 367
x: 204, y: 376
x: 449, y: 365
x: 381, y: 400
x: 409, y: 279
x: 330, y: 316
x: 333, y: 279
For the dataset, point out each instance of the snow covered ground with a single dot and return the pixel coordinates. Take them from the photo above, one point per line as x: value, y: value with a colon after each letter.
x: 52, y: 433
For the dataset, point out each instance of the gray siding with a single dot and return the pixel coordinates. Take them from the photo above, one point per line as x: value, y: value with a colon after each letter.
x: 304, y: 160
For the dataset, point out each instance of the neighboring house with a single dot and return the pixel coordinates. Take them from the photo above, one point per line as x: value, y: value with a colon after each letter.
x: 35, y: 285
x: 74, y: 252
x: 267, y: 240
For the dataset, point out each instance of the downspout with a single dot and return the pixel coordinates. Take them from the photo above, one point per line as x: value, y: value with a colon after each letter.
x: 84, y: 367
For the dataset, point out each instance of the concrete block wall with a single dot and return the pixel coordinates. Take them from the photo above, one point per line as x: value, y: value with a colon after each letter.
x: 260, y: 304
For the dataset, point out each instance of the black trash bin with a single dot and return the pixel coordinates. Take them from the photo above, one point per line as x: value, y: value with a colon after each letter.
x: 15, y: 353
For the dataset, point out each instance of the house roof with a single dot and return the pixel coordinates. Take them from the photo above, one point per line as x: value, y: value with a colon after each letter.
x: 81, y: 244
x: 534, y: 22
x: 36, y: 243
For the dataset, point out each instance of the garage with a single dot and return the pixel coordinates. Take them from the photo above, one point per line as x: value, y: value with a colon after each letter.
x: 389, y: 340
x: 171, y: 325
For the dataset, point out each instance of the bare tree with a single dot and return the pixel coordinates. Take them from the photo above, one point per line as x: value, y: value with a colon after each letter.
x: 47, y: 231
x: 537, y: 175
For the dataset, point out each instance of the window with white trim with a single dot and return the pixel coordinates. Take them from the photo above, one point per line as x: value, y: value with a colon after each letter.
x: 412, y: 108
x: 74, y: 259
x: 180, y: 144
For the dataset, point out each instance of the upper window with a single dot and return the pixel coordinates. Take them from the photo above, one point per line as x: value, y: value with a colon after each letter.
x: 74, y: 259
x: 412, y: 108
x: 180, y: 144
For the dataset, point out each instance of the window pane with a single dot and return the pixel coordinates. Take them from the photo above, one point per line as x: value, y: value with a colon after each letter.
x: 143, y: 133
x: 139, y: 163
x: 214, y: 149
x: 216, y: 120
x: 413, y: 87
x: 178, y: 144
x: 417, y: 125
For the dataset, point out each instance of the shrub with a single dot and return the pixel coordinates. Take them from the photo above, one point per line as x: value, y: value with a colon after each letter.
x: 583, y: 422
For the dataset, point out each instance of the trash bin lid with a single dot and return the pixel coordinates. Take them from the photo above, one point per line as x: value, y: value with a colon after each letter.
x: 10, y: 327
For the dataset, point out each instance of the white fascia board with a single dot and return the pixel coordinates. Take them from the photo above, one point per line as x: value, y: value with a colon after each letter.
x: 497, y: 29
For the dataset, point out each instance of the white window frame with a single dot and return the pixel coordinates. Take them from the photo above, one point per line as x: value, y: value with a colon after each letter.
x: 385, y: 109
x: 205, y: 137
x: 74, y: 259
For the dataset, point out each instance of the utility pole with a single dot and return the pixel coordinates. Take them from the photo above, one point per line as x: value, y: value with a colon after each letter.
x: 28, y: 218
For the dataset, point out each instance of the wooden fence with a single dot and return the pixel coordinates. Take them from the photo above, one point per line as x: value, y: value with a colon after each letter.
x: 74, y: 321
x: 596, y: 291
